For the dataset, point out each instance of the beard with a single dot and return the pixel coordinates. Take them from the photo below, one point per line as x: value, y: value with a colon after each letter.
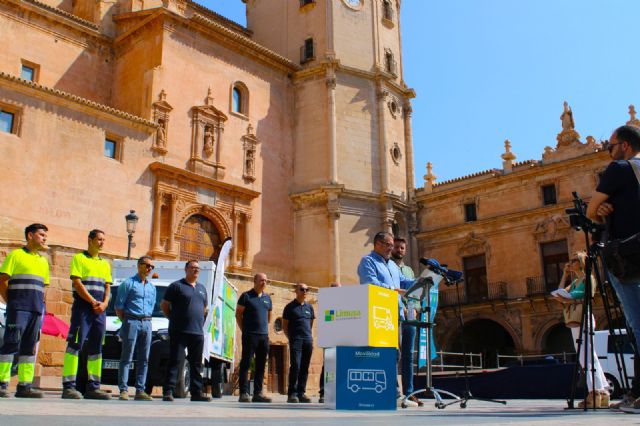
x: 397, y: 256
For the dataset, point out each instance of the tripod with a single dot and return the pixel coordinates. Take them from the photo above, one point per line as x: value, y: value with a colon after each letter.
x: 421, y: 292
x: 466, y: 395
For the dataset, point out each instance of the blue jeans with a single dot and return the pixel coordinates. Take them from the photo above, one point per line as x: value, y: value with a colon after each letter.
x: 406, y: 357
x: 629, y: 295
x: 135, y: 334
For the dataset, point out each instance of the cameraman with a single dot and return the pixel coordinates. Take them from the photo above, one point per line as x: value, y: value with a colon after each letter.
x: 617, y: 198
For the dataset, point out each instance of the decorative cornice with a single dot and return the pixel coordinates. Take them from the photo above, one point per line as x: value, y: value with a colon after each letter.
x: 61, y: 13
x: 30, y: 85
x: 182, y: 175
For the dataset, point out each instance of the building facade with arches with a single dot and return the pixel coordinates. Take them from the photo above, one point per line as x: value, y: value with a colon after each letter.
x: 507, y: 230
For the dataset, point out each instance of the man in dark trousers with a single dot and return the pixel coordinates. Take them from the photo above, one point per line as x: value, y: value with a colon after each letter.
x: 297, y: 321
x: 186, y: 304
x: 253, y: 315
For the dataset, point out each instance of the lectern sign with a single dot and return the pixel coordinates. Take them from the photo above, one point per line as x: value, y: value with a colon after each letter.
x: 358, y: 315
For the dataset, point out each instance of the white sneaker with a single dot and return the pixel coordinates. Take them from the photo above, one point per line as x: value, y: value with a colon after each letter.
x: 407, y: 403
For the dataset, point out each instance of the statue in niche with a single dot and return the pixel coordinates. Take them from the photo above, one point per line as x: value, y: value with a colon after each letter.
x: 208, y: 141
x: 161, y: 134
x: 567, y: 118
x: 249, y: 163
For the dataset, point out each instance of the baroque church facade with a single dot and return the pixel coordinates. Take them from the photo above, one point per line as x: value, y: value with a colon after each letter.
x: 292, y: 135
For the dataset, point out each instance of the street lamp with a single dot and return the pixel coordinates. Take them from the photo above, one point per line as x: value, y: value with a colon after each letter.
x: 132, y: 221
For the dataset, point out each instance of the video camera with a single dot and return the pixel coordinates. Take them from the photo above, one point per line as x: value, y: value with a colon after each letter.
x: 578, y: 218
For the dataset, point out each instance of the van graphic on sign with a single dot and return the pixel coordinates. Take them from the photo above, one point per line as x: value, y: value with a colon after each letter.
x: 368, y: 380
x: 382, y: 318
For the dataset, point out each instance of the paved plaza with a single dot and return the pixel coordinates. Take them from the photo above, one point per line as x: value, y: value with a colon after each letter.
x: 55, y: 411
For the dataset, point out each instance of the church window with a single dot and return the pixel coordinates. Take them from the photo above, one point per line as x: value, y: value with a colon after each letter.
x: 304, y: 3
x: 112, y: 147
x: 387, y: 10
x: 7, y: 120
x: 240, y: 99
x: 390, y: 63
x: 307, y: 51
x: 29, y: 71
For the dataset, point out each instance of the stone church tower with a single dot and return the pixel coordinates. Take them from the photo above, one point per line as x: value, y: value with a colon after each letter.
x: 353, y: 160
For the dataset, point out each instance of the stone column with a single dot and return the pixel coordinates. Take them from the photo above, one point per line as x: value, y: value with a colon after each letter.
x: 234, y: 247
x: 412, y: 224
x: 157, y: 219
x: 172, y: 222
x: 247, y: 220
x: 333, y: 155
x: 382, y: 141
x: 333, y: 208
x: 408, y: 147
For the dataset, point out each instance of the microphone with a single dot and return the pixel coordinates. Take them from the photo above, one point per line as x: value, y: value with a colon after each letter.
x: 450, y: 275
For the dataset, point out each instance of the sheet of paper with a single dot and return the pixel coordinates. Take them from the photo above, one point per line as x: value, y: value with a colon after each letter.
x: 562, y: 293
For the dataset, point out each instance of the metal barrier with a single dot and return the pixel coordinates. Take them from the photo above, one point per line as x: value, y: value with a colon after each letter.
x: 536, y: 286
x: 474, y: 361
x: 562, y: 358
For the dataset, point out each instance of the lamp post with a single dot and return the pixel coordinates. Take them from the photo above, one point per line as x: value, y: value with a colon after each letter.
x: 132, y: 221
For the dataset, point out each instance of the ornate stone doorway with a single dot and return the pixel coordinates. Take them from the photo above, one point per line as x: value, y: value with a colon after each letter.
x: 199, y: 239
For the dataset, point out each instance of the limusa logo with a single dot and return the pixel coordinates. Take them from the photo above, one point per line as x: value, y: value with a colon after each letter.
x: 340, y: 314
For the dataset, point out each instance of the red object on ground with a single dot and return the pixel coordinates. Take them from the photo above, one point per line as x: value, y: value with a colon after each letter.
x: 55, y: 326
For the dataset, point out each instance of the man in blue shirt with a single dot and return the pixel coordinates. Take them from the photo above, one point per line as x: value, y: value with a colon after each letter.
x: 134, y: 306
x: 379, y: 269
x: 376, y: 268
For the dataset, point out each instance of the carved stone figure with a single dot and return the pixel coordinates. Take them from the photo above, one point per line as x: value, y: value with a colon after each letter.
x: 249, y: 163
x: 567, y: 118
x: 208, y: 141
x: 161, y: 135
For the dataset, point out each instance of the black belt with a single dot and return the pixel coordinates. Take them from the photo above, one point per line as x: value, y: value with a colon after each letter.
x: 133, y: 317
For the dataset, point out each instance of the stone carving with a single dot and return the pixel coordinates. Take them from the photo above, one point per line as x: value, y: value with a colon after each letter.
x: 161, y: 110
x: 208, y: 141
x: 429, y: 179
x: 551, y: 227
x: 568, y: 135
x: 633, y: 121
x: 249, y: 143
x: 507, y: 157
x: 473, y: 244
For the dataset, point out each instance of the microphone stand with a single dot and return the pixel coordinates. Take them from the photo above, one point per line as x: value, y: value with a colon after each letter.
x: 466, y: 395
x: 423, y: 285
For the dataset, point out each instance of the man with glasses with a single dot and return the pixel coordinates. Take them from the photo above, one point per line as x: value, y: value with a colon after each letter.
x: 134, y: 305
x: 617, y: 198
x: 253, y: 315
x: 185, y: 303
x: 379, y: 269
x: 297, y: 322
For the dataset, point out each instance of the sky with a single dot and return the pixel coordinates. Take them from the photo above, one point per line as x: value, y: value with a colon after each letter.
x: 489, y: 70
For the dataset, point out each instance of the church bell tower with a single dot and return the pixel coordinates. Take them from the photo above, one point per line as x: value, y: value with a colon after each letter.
x: 353, y: 161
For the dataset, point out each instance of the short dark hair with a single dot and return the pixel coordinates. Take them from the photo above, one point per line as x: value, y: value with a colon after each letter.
x: 94, y: 233
x: 380, y: 236
x: 399, y: 240
x: 629, y: 134
x: 143, y: 258
x: 189, y: 262
x: 33, y: 228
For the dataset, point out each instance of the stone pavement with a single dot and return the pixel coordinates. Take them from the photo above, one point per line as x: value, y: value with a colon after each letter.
x: 54, y: 411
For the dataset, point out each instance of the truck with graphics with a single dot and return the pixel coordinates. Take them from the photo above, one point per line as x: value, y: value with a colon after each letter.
x: 222, y: 329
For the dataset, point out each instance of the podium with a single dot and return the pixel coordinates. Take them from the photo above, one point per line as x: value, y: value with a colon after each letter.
x: 358, y: 326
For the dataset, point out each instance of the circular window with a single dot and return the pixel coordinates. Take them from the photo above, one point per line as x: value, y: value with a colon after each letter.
x: 277, y: 325
x: 396, y: 153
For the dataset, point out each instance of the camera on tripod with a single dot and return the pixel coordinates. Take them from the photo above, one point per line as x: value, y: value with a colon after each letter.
x: 578, y: 218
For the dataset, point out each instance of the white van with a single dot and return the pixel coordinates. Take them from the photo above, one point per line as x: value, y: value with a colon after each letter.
x: 605, y: 348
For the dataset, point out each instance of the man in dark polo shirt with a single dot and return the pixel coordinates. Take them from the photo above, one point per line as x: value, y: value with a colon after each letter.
x: 253, y: 314
x: 297, y: 321
x: 185, y: 303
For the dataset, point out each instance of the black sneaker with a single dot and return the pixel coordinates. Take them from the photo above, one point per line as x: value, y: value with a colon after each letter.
x: 293, y: 399
x: 244, y: 397
x: 96, y: 394
x: 260, y: 398
x: 200, y: 398
x: 71, y: 393
x: 321, y: 400
x: 167, y: 396
x: 28, y: 393
x: 304, y: 399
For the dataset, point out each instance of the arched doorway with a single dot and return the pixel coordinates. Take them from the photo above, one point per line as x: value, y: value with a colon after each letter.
x: 558, y: 340
x: 199, y: 239
x: 485, y: 337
